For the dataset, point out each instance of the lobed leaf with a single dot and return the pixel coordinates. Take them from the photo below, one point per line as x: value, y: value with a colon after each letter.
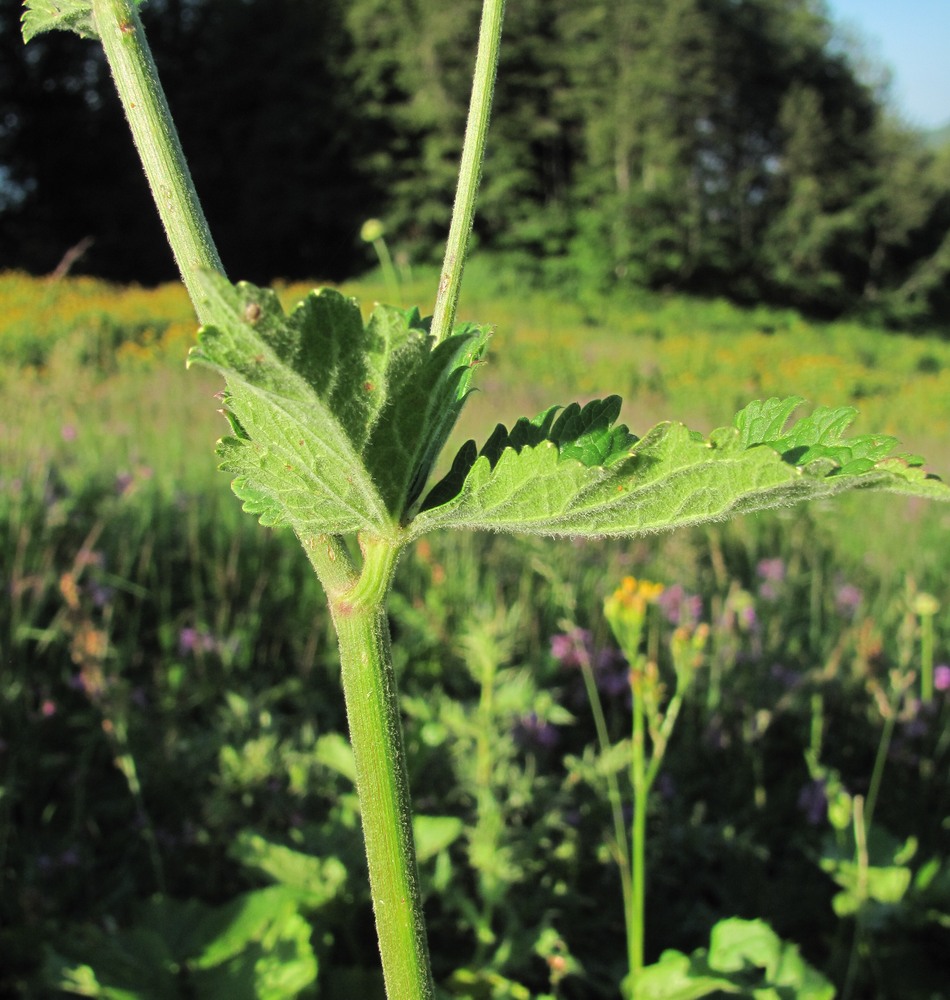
x: 335, y: 423
x: 68, y: 15
x: 581, y: 475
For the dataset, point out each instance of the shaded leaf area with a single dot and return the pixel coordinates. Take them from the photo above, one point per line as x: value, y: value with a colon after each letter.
x: 257, y: 946
x: 68, y: 15
x: 745, y: 958
x: 579, y: 474
x: 336, y: 423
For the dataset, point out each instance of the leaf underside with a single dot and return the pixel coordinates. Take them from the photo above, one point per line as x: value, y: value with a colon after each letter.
x: 576, y: 473
x: 336, y: 423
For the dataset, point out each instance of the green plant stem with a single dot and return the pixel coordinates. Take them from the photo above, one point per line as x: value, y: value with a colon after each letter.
x: 862, y: 863
x: 613, y: 793
x: 390, y: 275
x: 880, y: 759
x: 143, y: 100
x: 470, y: 168
x: 644, y: 770
x: 639, y: 778
x: 926, y: 658
x: 372, y: 709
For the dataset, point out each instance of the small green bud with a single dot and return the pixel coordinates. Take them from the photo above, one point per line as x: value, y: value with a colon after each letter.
x: 926, y: 605
x: 372, y: 230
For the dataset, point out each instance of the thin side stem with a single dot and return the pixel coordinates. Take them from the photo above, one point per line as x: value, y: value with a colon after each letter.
x: 470, y: 168
x: 926, y: 658
x: 862, y: 864
x: 156, y: 139
x: 880, y: 759
x: 372, y: 709
x: 636, y: 919
x: 613, y: 791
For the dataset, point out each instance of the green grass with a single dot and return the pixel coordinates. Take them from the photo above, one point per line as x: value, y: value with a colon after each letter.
x: 168, y: 673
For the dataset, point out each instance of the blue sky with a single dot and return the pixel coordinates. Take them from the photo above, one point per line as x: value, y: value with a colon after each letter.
x: 912, y: 37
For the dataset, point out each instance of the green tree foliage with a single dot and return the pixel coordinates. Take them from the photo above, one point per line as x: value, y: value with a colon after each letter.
x: 713, y: 146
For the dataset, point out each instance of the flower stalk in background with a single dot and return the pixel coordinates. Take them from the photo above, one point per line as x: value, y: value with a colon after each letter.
x: 926, y: 607
x: 374, y: 232
x: 631, y: 614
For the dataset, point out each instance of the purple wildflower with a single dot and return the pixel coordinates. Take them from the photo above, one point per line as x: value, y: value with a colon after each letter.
x: 678, y: 607
x: 666, y: 786
x: 915, y: 722
x: 942, y: 677
x: 813, y: 801
x: 847, y: 600
x: 100, y: 594
x: 68, y: 432
x: 572, y: 649
x: 771, y: 570
x: 534, y: 732
x: 193, y: 640
x: 123, y: 483
x: 787, y: 677
x: 748, y: 619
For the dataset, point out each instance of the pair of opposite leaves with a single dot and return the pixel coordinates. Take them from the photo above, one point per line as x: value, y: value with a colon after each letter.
x: 338, y: 424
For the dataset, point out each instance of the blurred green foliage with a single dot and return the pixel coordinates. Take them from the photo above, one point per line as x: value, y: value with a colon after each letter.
x: 173, y: 754
x: 730, y: 147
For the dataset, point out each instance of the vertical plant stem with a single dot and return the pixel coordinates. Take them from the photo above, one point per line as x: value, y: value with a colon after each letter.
x: 143, y: 100
x: 613, y: 793
x: 372, y: 709
x: 880, y: 759
x: 862, y: 863
x: 470, y: 168
x: 927, y: 657
x: 636, y: 919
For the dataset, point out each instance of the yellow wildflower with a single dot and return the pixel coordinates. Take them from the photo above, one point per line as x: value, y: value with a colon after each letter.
x: 626, y: 611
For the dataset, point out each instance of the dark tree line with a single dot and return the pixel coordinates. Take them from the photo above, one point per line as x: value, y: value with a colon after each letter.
x: 717, y: 146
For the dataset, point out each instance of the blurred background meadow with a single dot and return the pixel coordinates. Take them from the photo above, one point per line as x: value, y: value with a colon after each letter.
x: 703, y: 204
x: 172, y: 728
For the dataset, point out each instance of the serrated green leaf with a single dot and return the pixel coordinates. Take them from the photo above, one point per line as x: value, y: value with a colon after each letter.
x: 335, y: 423
x: 586, y: 477
x: 426, y: 388
x: 51, y: 15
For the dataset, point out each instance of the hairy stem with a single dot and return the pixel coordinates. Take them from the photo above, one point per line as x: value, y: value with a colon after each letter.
x: 372, y: 709
x: 143, y: 100
x: 470, y: 168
